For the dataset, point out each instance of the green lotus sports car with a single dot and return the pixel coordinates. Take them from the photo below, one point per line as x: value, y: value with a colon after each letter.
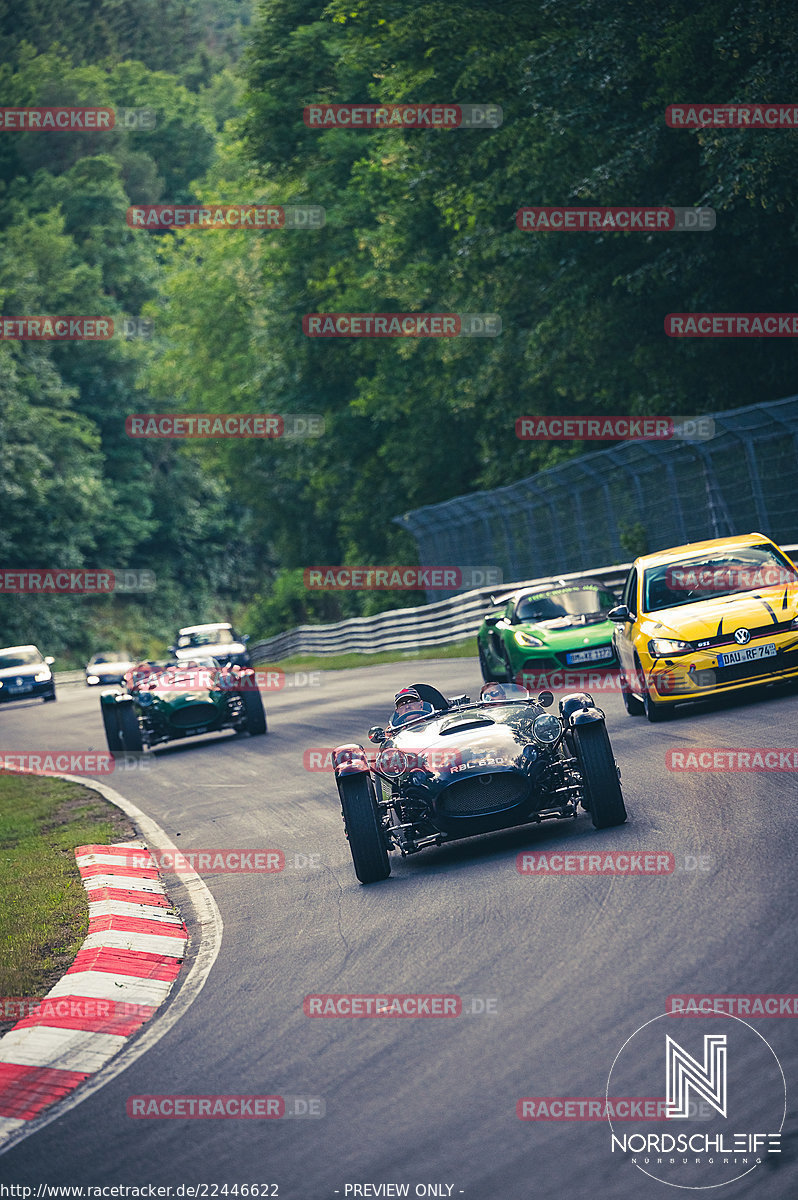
x: 556, y: 627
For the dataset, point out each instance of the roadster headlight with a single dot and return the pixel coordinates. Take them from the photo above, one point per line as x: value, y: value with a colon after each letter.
x: 546, y: 729
x: 661, y: 647
x: 527, y: 639
x: 145, y: 698
x: 41, y: 676
x: 392, y: 763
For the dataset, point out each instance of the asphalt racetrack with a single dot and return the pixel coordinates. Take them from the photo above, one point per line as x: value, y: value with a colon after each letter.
x: 563, y: 968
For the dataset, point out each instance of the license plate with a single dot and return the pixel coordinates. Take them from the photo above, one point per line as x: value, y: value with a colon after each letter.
x: 747, y: 654
x: 597, y: 655
x: 23, y: 687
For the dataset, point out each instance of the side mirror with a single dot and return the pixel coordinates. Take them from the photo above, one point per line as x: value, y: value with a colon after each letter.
x: 620, y: 614
x: 245, y: 638
x: 49, y: 660
x: 172, y: 649
x: 546, y: 699
x: 377, y: 734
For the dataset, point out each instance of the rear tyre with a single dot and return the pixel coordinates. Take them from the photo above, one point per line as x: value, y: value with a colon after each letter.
x: 129, y: 729
x: 255, y: 713
x: 362, y: 824
x: 599, y: 775
x: 111, y: 728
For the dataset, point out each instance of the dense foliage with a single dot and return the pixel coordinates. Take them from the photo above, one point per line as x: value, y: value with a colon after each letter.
x: 416, y: 221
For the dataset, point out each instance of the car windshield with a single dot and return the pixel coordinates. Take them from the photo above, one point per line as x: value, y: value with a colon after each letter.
x: 108, y: 656
x: 19, y: 658
x: 218, y: 636
x: 565, y: 606
x: 710, y: 576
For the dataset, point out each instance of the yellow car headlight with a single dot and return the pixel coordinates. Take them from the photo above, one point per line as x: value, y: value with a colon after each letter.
x: 527, y: 639
x: 663, y: 647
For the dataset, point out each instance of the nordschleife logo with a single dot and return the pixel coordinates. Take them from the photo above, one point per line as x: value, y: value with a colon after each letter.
x: 723, y: 1094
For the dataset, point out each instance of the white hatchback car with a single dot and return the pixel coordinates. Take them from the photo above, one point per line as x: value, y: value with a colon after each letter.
x: 218, y: 640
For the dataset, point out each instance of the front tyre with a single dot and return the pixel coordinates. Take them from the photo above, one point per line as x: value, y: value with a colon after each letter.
x: 50, y: 697
x: 129, y: 728
x: 254, y: 712
x: 362, y: 825
x: 599, y: 775
x: 111, y: 728
x: 488, y: 674
x: 654, y: 710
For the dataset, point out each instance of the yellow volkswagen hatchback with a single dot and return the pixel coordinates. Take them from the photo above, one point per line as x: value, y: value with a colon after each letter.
x: 704, y: 619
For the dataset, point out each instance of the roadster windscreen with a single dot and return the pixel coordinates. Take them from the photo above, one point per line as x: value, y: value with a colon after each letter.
x: 748, y: 569
x: 570, y: 602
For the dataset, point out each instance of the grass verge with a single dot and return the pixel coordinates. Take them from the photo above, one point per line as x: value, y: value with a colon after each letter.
x: 44, y: 916
x: 339, y: 662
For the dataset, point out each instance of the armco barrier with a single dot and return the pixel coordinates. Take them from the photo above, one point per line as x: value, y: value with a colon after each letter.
x: 409, y: 629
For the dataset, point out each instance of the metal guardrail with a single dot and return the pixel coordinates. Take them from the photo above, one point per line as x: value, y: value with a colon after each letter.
x: 411, y: 629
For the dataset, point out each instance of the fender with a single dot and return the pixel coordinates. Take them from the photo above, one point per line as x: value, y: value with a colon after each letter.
x: 579, y: 708
x: 350, y: 759
x: 586, y: 716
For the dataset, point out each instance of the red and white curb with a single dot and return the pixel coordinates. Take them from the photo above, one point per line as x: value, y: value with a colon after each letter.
x: 124, y: 970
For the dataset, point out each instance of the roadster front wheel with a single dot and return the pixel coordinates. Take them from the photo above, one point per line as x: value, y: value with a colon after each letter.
x: 111, y: 727
x: 599, y: 775
x: 255, y: 713
x: 129, y: 728
x: 362, y: 824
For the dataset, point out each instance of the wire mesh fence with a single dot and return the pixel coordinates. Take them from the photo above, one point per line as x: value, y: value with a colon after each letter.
x: 635, y: 498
